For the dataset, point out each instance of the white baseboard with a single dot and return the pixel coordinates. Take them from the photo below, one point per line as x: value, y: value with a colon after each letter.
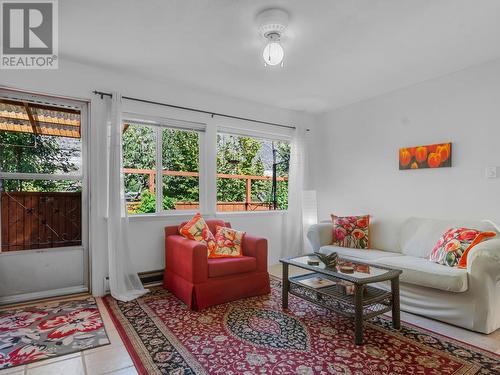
x: 44, y: 294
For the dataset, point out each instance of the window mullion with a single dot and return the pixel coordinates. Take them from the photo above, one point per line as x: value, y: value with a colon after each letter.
x: 159, y: 169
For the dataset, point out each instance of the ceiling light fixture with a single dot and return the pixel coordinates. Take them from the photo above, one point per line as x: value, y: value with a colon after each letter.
x: 272, y: 24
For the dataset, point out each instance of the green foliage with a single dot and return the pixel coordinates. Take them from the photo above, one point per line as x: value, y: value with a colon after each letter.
x: 30, y: 153
x: 180, y: 152
x: 148, y: 203
x: 139, y: 144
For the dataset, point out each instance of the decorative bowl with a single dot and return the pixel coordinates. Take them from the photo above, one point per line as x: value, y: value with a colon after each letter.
x: 330, y: 260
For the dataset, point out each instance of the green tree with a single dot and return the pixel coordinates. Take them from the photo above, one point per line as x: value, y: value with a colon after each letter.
x: 139, y: 145
x: 34, y: 153
x: 240, y: 156
x: 180, y: 153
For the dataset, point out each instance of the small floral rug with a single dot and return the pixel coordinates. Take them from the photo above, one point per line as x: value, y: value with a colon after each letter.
x: 255, y: 336
x: 31, y: 334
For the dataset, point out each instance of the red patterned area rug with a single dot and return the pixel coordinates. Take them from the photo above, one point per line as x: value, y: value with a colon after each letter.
x: 30, y: 334
x: 254, y: 336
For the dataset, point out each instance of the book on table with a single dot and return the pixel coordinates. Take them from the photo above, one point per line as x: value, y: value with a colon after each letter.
x: 317, y: 282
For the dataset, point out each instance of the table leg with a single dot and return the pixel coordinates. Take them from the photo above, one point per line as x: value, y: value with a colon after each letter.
x: 358, y: 313
x: 285, y: 287
x: 396, y: 320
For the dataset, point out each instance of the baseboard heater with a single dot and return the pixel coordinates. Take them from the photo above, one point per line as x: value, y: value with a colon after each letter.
x: 151, y: 277
x: 148, y: 278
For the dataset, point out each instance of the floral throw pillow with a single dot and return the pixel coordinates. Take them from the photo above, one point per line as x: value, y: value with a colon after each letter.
x: 351, y: 231
x: 454, y: 245
x: 228, y: 242
x: 197, y: 229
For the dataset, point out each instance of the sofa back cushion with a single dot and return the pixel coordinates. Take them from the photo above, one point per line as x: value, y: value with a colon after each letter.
x: 418, y: 236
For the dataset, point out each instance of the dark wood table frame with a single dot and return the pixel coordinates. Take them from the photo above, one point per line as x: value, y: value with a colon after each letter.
x: 385, y: 301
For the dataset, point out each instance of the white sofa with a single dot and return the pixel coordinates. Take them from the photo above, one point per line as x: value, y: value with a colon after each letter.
x: 469, y: 298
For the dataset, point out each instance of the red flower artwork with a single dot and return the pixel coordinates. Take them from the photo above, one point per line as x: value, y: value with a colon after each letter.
x: 430, y: 156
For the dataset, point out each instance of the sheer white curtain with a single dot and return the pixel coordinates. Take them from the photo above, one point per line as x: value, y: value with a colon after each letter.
x: 124, y: 283
x: 293, y: 236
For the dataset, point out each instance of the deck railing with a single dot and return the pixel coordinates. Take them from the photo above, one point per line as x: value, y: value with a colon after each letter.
x: 246, y: 205
x: 35, y: 220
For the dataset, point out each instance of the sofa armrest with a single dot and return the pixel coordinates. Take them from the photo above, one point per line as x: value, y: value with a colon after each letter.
x: 483, y: 268
x: 256, y: 247
x: 485, y: 256
x: 186, y: 258
x: 320, y: 235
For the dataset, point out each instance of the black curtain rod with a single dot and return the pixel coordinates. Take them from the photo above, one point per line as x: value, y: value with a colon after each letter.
x: 103, y: 94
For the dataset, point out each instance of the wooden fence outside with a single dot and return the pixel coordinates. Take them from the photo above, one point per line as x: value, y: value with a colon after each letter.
x: 247, y: 205
x: 34, y: 220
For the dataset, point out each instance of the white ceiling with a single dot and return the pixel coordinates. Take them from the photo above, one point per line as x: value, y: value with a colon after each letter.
x: 336, y: 51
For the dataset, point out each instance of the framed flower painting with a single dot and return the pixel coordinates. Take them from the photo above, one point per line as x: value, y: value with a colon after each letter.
x: 430, y: 156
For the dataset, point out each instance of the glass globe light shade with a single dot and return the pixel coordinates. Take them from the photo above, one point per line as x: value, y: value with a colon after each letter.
x: 273, y: 53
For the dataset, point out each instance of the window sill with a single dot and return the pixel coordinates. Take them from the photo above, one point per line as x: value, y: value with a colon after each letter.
x: 189, y: 215
x: 250, y: 213
x: 163, y: 215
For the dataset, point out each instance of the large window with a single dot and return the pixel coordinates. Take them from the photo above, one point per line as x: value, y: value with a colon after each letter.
x: 161, y: 168
x: 41, y: 176
x: 252, y: 173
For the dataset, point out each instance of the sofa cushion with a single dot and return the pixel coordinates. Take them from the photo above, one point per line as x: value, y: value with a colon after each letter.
x: 218, y: 267
x: 454, y: 245
x: 229, y: 243
x: 419, y: 236
x: 361, y: 255
x: 197, y: 229
x: 423, y: 272
x: 211, y: 223
x: 351, y: 231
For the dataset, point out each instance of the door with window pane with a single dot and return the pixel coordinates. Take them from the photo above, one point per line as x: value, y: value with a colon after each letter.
x: 43, y: 201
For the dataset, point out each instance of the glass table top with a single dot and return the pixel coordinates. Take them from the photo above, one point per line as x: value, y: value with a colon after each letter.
x: 346, y: 268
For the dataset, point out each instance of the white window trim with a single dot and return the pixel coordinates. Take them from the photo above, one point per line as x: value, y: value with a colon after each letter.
x: 257, y: 134
x: 158, y: 124
x: 40, y: 176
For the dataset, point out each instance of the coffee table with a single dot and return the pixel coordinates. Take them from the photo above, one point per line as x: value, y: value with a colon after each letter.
x: 366, y: 301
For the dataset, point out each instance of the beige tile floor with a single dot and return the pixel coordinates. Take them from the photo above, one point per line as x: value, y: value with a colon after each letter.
x: 111, y: 359
x: 114, y: 360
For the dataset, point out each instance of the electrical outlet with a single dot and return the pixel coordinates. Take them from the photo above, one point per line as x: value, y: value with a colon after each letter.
x: 106, y: 284
x: 491, y: 172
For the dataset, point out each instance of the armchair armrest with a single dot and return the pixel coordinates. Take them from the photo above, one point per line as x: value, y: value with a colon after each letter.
x: 186, y: 258
x: 320, y: 235
x: 256, y: 247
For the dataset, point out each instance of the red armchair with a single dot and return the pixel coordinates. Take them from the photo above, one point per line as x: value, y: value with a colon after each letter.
x: 201, y: 282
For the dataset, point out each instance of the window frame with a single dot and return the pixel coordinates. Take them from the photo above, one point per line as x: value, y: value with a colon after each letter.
x: 158, y: 124
x: 256, y: 134
x: 83, y: 176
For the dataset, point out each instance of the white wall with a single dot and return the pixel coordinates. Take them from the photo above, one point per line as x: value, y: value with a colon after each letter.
x: 357, y: 150
x: 77, y: 80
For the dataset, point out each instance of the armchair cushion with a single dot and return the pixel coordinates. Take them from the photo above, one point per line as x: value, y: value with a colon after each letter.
x: 196, y: 229
x: 218, y: 267
x: 228, y: 243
